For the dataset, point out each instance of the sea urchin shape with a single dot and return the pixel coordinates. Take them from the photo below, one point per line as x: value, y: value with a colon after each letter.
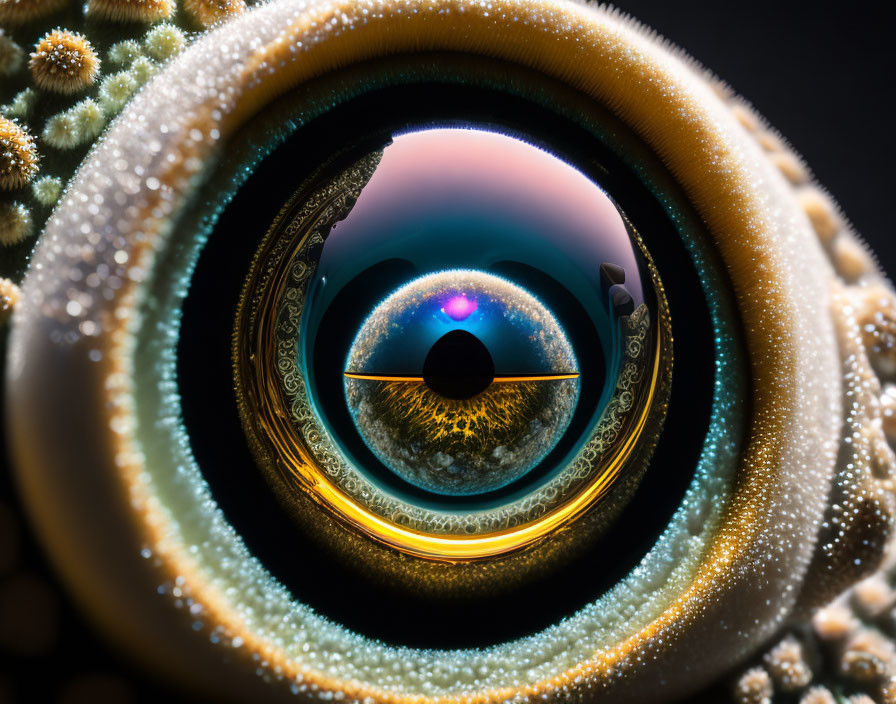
x: 64, y: 62
x: 115, y: 90
x: 15, y: 223
x: 62, y: 131
x: 20, y: 105
x: 47, y: 190
x: 131, y: 10
x: 10, y: 55
x: 124, y: 52
x: 89, y: 117
x: 164, y: 41
x: 18, y: 156
x: 209, y: 12
x: 21, y: 11
x: 9, y: 296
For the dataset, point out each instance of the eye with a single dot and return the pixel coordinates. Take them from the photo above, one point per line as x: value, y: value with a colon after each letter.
x: 419, y: 365
x: 458, y: 427
x: 432, y: 401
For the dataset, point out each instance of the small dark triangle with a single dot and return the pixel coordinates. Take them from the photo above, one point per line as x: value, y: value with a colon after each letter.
x: 611, y: 274
x: 458, y: 366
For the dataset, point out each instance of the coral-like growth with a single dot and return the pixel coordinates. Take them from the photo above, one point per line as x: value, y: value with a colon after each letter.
x: 70, y: 128
x: 10, y: 55
x: 9, y: 296
x: 116, y: 90
x: 787, y: 664
x: 64, y: 62
x: 21, y: 104
x: 89, y: 117
x: 124, y: 52
x: 818, y: 695
x: 131, y: 10
x: 47, y: 190
x: 209, y: 12
x: 754, y: 687
x: 868, y: 657
x: 15, y: 223
x: 21, y: 11
x: 18, y: 156
x: 62, y: 131
x: 164, y: 41
x: 143, y: 69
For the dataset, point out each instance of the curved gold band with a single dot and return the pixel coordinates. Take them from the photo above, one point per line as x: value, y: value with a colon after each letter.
x: 456, y: 547
x: 280, y: 442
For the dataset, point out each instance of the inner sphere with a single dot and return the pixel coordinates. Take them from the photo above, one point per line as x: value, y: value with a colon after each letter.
x: 461, y: 382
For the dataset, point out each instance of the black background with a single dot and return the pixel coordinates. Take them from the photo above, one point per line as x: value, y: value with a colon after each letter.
x: 820, y: 73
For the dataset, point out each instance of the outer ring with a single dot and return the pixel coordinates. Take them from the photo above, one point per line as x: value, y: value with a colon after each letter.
x: 278, y: 443
x: 759, y: 233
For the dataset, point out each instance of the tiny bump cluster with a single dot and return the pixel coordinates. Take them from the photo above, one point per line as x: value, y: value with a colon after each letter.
x: 18, y: 156
x: 63, y: 86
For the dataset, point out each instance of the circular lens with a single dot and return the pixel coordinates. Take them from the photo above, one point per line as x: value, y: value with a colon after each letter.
x: 461, y: 382
x: 453, y: 343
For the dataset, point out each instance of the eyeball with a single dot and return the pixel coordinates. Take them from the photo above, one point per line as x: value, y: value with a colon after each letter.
x: 450, y: 351
x: 439, y: 410
x: 459, y: 428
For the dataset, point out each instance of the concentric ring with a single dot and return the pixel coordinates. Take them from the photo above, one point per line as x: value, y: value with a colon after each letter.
x: 125, y: 216
x: 291, y: 442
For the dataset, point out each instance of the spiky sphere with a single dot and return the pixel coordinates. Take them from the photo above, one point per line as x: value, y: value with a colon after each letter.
x: 47, y: 190
x: 18, y: 156
x: 131, y: 10
x: 10, y: 55
x: 64, y: 62
x: 115, y: 90
x: 15, y: 223
x: 21, y: 104
x: 209, y: 12
x: 124, y: 52
x: 9, y: 296
x: 90, y: 118
x: 62, y: 131
x: 142, y: 69
x: 20, y: 11
x: 164, y: 41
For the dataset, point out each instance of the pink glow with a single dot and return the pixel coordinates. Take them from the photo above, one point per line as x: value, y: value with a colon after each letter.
x: 459, y: 308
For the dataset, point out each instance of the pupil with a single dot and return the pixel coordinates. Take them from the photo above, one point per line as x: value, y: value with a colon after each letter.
x: 458, y: 366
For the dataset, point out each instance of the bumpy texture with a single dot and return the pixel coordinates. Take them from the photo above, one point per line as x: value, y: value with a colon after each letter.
x: 64, y: 62
x: 64, y: 85
x: 462, y: 446
x: 736, y: 563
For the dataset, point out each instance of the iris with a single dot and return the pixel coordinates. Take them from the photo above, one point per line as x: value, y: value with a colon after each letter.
x: 470, y: 268
x: 461, y: 382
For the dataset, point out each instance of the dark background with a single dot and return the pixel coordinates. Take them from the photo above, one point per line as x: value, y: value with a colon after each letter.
x: 819, y: 72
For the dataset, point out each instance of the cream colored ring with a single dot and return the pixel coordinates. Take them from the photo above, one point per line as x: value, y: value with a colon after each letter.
x: 77, y: 341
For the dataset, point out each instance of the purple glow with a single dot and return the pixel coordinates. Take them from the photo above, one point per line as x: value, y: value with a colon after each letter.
x: 459, y: 308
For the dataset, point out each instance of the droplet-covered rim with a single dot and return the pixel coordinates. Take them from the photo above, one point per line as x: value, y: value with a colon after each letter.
x: 230, y: 76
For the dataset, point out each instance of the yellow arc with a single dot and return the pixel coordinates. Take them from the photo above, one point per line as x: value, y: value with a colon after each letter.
x: 454, y: 548
x: 496, y: 380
